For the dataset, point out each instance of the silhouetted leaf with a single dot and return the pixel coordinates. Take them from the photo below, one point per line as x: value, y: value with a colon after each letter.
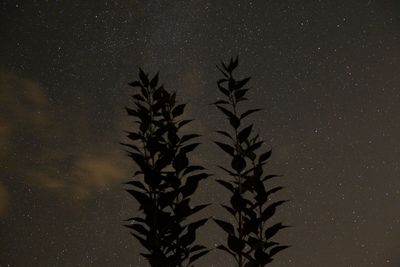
x: 230, y: 210
x: 227, y: 227
x: 227, y: 171
x: 242, y: 83
x: 222, y: 247
x: 265, y: 156
x: 154, y: 81
x: 142, y: 241
x: 235, y: 244
x: 270, y: 176
x: 237, y: 202
x: 138, y: 97
x: 226, y: 112
x: 248, y: 112
x: 188, y: 137
x: 197, y: 248
x: 240, y: 93
x: 262, y: 257
x: 184, y: 122
x: 188, y: 148
x: 180, y: 162
x: 223, y: 72
x: 244, y: 134
x: 235, y: 122
x: 271, y: 231
x: 192, y: 169
x: 135, y: 84
x: 277, y: 249
x: 197, y: 256
x: 238, y: 163
x: 270, y: 210
x: 253, y: 147
x: 138, y: 228
x: 137, y: 184
x: 227, y: 148
x: 225, y: 134
x: 220, y: 102
x: 178, y: 110
x: 144, y: 78
x: 131, y: 112
x: 227, y: 185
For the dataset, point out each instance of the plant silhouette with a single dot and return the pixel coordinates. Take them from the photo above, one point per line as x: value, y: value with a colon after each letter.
x: 166, y: 180
x: 249, y: 239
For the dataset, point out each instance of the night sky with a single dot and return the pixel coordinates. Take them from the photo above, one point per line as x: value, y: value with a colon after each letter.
x: 326, y: 72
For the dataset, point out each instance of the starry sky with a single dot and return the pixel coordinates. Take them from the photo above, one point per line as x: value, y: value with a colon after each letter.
x: 326, y: 73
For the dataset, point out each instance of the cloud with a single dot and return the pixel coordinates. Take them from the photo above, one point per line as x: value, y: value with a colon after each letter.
x: 54, y: 148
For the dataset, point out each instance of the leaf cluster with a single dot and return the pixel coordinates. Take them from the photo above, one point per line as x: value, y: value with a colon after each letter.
x: 165, y: 180
x: 250, y: 239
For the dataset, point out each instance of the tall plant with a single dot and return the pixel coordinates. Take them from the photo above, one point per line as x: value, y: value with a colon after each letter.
x: 166, y: 180
x: 250, y: 237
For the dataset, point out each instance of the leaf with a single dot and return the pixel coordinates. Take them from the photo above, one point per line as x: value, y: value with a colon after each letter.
x: 178, y: 110
x: 244, y: 134
x: 223, y: 72
x: 228, y: 113
x: 180, y: 162
x: 241, y: 83
x: 238, y: 163
x: 220, y: 102
x: 236, y: 244
x: 254, y: 147
x: 198, y: 208
x: 226, y: 170
x: 192, y: 182
x: 197, y: 256
x: 138, y: 97
x: 192, y: 169
x: 131, y: 112
x: 222, y: 247
x: 227, y: 148
x: 189, y: 137
x: 183, y: 123
x: 240, y: 93
x: 227, y: 185
x: 154, y: 81
x: 277, y: 249
x: 226, y: 226
x: 274, y: 190
x: 137, y: 184
x: 138, y: 228
x: 248, y: 112
x: 225, y: 134
x: 237, y: 202
x: 270, y: 210
x: 135, y: 84
x: 196, y: 248
x: 270, y: 176
x: 144, y: 78
x: 273, y: 230
x: 230, y: 210
x: 223, y: 90
x: 262, y: 257
x: 142, y: 241
x: 265, y: 156
x: 235, y: 122
x: 188, y: 148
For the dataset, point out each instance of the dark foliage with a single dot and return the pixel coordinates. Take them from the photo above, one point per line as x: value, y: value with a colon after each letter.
x: 166, y: 180
x: 250, y: 238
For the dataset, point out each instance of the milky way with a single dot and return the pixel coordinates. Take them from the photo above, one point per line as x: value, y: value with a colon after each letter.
x: 325, y: 72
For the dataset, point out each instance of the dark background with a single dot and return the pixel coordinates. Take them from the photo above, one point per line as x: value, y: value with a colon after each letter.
x: 326, y: 73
